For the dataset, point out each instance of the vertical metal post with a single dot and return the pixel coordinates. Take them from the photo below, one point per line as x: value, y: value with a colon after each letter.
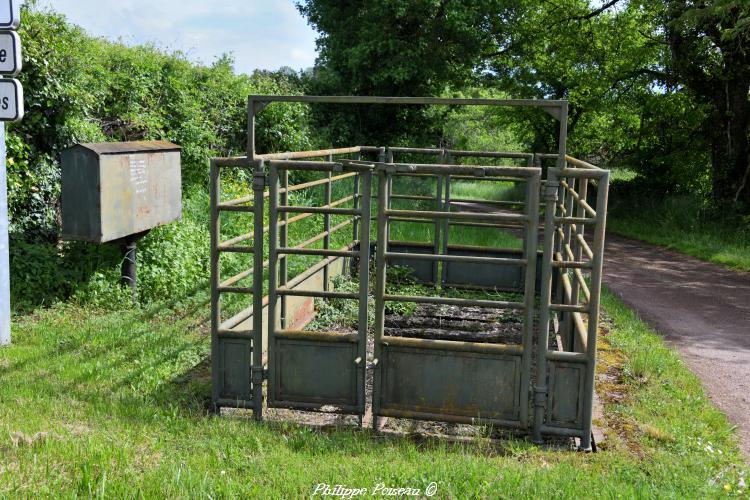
x: 437, y: 266
x: 531, y: 239
x: 593, y: 324
x: 540, y: 387
x: 436, y: 240
x: 380, y: 280
x: 327, y: 228
x: 273, y: 262
x: 389, y: 159
x: 284, y: 240
x: 364, y: 285
x: 129, y: 268
x: 4, y: 246
x: 356, y: 204
x: 216, y: 363
x: 446, y: 228
x: 259, y: 184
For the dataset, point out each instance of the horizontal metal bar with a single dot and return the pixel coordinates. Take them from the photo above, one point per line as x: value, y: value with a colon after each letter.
x: 416, y: 150
x: 317, y: 336
x: 293, y: 292
x: 479, y: 171
x: 489, y: 202
x: 579, y: 173
x: 569, y: 308
x: 223, y: 207
x: 235, y: 161
x: 316, y: 251
x: 319, y: 182
x: 565, y: 264
x: 473, y: 216
x: 236, y: 403
x: 447, y: 101
x: 456, y: 258
x: 235, y: 289
x: 446, y: 417
x: 490, y: 154
x: 233, y: 249
x: 295, y: 155
x: 575, y: 220
x: 235, y: 334
x: 319, y: 166
x: 490, y: 304
x: 411, y: 197
x: 561, y: 431
x: 580, y: 163
x: 318, y: 210
x: 453, y: 345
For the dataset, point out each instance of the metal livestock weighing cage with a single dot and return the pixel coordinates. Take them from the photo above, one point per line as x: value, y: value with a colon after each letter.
x: 542, y: 385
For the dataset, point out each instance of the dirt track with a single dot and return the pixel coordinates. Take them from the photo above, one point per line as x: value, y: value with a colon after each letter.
x: 700, y: 308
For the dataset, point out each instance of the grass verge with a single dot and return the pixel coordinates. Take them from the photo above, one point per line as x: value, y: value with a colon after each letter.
x: 96, y: 403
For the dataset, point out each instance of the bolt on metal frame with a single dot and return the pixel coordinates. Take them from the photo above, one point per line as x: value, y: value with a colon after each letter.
x: 563, y: 251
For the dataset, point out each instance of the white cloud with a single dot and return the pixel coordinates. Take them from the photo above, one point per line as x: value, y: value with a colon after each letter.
x: 261, y: 34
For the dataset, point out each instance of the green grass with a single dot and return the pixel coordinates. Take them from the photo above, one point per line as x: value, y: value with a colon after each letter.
x: 102, y: 403
x: 98, y: 404
x: 681, y: 223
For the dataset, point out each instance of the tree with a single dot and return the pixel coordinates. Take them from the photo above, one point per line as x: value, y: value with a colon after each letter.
x: 709, y: 44
x: 393, y: 48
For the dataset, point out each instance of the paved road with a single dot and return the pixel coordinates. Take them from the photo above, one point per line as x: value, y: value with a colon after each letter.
x: 700, y: 308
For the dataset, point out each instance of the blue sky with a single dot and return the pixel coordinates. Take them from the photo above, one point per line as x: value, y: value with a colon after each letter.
x: 262, y: 34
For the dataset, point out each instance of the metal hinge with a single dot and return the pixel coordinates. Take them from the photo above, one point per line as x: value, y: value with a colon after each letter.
x: 260, y: 181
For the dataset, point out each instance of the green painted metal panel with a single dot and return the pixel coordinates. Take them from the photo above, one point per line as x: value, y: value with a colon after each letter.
x: 235, y: 368
x: 447, y: 382
x: 315, y: 372
x: 114, y: 190
x: 566, y: 394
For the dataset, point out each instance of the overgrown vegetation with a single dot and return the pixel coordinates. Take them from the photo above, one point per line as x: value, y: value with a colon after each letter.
x: 114, y: 404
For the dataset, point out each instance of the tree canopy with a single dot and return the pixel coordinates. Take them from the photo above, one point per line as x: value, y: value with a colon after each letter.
x: 658, y: 86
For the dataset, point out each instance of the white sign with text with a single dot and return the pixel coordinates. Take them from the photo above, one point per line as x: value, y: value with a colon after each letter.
x: 11, y: 100
x: 10, y: 14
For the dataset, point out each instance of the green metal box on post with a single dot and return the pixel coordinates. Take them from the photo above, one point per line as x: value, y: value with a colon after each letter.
x: 117, y: 191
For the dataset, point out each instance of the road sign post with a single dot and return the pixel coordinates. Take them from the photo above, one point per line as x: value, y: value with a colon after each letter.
x: 11, y: 110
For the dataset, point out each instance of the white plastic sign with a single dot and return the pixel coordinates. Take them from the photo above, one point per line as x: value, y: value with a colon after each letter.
x: 11, y: 100
x: 10, y: 14
x: 10, y: 53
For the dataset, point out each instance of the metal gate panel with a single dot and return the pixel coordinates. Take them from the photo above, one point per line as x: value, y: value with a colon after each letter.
x: 317, y: 373
x: 448, y: 380
x: 313, y: 370
x: 425, y: 383
x: 566, y: 394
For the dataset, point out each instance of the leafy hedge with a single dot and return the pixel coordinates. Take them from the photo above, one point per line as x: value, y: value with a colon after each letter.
x: 83, y: 89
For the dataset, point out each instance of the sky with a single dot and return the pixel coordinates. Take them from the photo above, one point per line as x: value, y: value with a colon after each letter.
x: 260, y: 34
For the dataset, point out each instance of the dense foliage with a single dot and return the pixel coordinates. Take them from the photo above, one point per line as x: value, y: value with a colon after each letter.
x: 658, y: 86
x: 82, y: 89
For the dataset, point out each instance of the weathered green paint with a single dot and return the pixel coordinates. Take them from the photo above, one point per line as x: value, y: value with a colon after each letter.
x: 114, y: 190
x: 486, y: 383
